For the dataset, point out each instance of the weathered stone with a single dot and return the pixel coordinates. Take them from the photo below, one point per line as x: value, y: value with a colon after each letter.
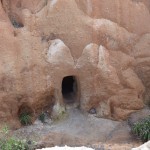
x: 97, y: 46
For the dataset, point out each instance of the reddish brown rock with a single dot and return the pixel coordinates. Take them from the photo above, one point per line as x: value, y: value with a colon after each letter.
x: 98, y: 44
x: 142, y: 54
x: 126, y: 13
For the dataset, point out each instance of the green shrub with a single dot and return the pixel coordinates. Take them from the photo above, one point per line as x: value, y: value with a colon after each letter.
x: 42, y: 117
x: 142, y: 129
x: 25, y: 118
x: 13, y: 144
x: 5, y: 129
x: 8, y: 142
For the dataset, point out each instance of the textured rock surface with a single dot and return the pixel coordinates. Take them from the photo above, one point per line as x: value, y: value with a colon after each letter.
x: 139, y: 116
x: 102, y: 43
x: 80, y: 129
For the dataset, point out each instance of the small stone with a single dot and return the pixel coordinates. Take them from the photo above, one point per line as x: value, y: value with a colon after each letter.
x: 92, y: 111
x: 29, y: 142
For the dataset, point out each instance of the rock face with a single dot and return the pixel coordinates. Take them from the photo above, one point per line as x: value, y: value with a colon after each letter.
x: 93, y: 53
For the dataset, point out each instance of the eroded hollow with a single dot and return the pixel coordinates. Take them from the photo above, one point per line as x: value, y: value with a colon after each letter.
x: 69, y: 89
x: 25, y: 114
x: 16, y: 20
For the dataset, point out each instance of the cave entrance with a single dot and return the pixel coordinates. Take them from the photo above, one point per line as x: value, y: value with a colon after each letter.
x: 69, y: 89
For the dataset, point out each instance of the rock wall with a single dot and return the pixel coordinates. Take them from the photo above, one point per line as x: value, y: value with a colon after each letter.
x: 104, y: 44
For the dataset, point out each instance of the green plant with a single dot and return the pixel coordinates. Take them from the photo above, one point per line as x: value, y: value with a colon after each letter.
x: 13, y: 144
x: 42, y: 117
x: 8, y: 142
x: 25, y: 118
x: 142, y: 129
x: 5, y: 129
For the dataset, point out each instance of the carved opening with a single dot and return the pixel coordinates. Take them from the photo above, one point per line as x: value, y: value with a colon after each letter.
x: 16, y: 20
x: 69, y: 89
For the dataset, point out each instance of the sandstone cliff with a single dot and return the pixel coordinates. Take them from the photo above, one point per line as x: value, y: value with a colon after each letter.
x: 103, y: 44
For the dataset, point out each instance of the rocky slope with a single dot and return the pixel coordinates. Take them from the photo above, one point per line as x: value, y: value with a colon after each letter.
x: 104, y: 45
x: 77, y: 129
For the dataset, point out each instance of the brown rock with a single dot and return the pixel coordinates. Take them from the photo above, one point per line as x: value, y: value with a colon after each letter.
x: 92, y: 52
x: 62, y: 139
x: 125, y: 13
x: 142, y: 66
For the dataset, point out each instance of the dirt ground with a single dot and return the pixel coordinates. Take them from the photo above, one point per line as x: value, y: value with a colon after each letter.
x: 76, y: 128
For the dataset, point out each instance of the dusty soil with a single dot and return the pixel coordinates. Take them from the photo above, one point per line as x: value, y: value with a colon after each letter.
x: 76, y: 128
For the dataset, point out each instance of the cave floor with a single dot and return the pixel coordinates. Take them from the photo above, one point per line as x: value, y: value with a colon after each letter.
x: 79, y: 129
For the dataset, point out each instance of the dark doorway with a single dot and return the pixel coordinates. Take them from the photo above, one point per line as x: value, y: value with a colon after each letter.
x: 69, y: 89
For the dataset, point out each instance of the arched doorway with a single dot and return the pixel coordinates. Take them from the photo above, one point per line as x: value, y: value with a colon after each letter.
x: 69, y: 89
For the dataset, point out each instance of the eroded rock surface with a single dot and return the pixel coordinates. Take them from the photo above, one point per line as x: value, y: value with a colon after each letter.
x: 78, y: 129
x: 101, y: 44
